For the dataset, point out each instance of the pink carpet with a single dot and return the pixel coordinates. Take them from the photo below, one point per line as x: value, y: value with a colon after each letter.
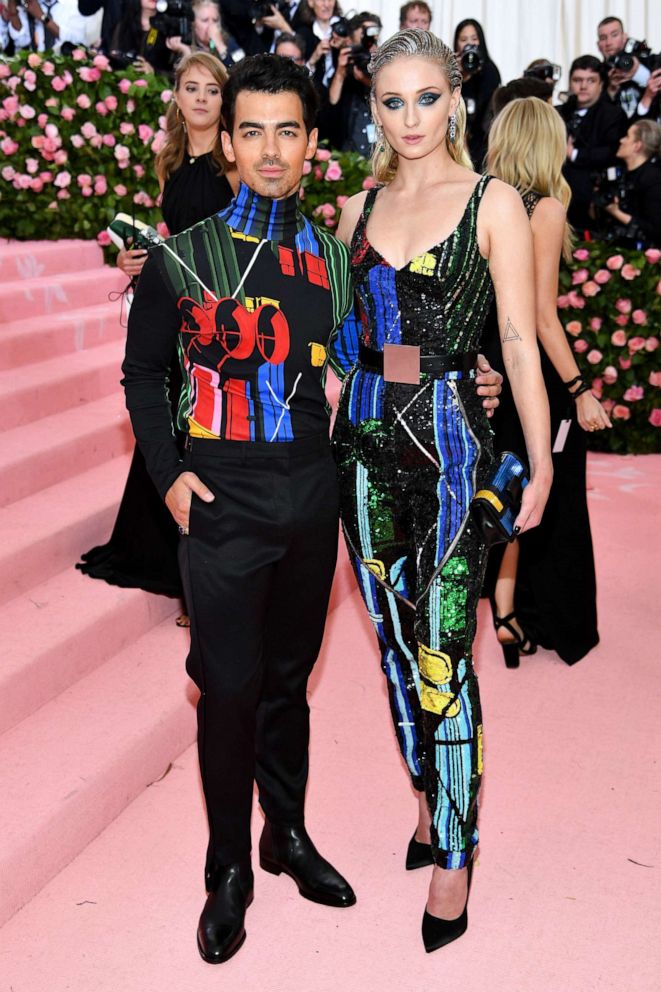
x: 565, y: 895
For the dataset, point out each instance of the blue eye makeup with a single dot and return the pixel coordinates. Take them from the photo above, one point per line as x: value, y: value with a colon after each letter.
x: 393, y: 103
x: 428, y: 99
x: 424, y: 100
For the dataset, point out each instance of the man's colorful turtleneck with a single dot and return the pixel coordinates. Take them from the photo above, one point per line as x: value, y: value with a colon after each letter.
x: 258, y: 292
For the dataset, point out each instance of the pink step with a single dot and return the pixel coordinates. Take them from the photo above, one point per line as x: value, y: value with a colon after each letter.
x: 30, y: 259
x: 59, y: 631
x: 69, y: 331
x: 47, y: 531
x: 44, y: 388
x: 55, y: 448
x: 72, y: 767
x: 50, y: 294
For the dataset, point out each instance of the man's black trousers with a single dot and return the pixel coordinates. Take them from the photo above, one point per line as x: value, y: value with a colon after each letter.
x: 257, y: 568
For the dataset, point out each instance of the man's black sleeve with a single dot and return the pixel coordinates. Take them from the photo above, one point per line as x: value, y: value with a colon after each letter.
x: 154, y: 323
x: 597, y: 150
x: 89, y: 7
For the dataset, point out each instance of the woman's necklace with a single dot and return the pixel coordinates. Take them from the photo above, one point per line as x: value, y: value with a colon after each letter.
x: 193, y: 158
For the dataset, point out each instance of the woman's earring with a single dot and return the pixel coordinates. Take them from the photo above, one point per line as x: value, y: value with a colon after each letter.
x: 452, y: 128
x: 380, y: 140
x: 179, y: 118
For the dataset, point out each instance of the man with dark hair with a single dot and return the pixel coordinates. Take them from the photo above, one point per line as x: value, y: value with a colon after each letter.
x: 625, y: 85
x: 594, y: 129
x: 290, y: 46
x: 415, y: 15
x: 253, y: 296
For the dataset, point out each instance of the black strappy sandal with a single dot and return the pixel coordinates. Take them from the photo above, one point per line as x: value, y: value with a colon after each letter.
x: 521, y: 643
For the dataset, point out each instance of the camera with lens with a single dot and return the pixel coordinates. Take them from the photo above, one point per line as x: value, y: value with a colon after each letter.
x: 548, y: 72
x: 609, y: 185
x: 340, y: 27
x: 121, y: 60
x: 360, y: 54
x: 472, y: 59
x: 623, y: 61
x: 174, y: 19
x: 258, y: 11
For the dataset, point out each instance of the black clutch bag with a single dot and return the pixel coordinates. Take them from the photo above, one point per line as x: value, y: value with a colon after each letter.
x: 496, y: 506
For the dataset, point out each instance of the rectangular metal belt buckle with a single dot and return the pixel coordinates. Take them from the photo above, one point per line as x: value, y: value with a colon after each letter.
x: 401, y: 363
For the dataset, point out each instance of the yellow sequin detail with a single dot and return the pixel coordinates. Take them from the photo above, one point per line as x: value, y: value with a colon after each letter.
x: 376, y: 567
x: 252, y: 302
x: 425, y: 265
x: 434, y: 665
x: 317, y: 354
x: 480, y: 751
x: 444, y: 703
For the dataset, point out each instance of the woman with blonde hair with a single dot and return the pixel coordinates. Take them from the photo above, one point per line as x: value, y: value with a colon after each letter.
x: 542, y: 587
x: 207, y: 34
x: 429, y: 246
x: 142, y: 550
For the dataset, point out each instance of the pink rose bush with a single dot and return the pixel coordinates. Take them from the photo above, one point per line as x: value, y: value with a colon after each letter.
x: 609, y: 303
x: 328, y: 182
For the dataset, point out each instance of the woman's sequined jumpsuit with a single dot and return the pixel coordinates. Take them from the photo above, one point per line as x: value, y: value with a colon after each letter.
x: 410, y: 458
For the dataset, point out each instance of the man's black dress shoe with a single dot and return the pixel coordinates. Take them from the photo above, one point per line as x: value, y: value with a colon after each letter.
x: 418, y: 855
x: 221, y: 930
x: 290, y: 850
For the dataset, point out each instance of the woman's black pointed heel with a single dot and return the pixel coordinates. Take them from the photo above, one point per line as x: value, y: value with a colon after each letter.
x: 522, y: 644
x: 418, y: 855
x: 437, y: 932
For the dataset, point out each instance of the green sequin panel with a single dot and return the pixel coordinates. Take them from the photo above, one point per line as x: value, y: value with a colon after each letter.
x: 454, y: 593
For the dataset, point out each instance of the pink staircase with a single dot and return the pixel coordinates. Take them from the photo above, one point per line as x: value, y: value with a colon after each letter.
x: 94, y: 700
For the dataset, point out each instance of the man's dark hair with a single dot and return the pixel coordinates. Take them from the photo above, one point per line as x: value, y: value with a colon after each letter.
x: 291, y: 39
x: 610, y: 20
x: 587, y: 63
x: 518, y: 89
x: 269, y: 74
x: 404, y: 11
x: 364, y: 17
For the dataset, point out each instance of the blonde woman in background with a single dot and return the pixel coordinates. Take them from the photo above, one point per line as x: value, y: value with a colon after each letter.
x: 412, y: 442
x: 542, y: 587
x: 208, y: 35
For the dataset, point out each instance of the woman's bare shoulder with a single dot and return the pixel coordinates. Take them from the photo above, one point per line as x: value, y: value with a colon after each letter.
x: 351, y: 211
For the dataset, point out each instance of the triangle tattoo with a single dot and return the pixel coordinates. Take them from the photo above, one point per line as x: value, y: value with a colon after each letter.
x: 511, y: 333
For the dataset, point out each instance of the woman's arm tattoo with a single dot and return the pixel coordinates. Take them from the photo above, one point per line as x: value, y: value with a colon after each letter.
x: 511, y: 333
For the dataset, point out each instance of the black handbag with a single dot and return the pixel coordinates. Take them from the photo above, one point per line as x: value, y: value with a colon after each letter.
x: 496, y: 506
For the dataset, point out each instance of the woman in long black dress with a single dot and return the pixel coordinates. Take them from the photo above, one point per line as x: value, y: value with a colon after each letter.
x: 142, y: 550
x: 542, y: 587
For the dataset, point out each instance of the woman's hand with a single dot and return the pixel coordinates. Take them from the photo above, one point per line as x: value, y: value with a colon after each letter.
x: 276, y: 21
x: 534, y: 500
x: 590, y: 413
x: 320, y: 51
x: 131, y: 261
x: 142, y: 65
x: 176, y: 45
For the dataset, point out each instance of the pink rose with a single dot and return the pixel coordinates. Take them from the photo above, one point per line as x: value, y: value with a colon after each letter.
x: 52, y: 131
x: 575, y: 300
x: 84, y: 179
x: 34, y: 60
x: 139, y: 170
x: 63, y: 194
x: 581, y: 254
x: 67, y: 113
x: 602, y: 276
x: 334, y: 171
x: 622, y: 320
x: 322, y: 155
x: 328, y: 210
x: 608, y: 406
x: 579, y: 276
x: 88, y: 130
x: 8, y: 146
x: 30, y: 80
x: 60, y: 156
x: 610, y: 375
x: 653, y: 255
x: 36, y: 185
x: 101, y: 108
x: 562, y: 302
x: 126, y: 128
x: 341, y: 200
x: 121, y: 152
x: 87, y: 191
x: 574, y: 327
x: 636, y: 344
x: 624, y: 363
x: 655, y: 417
x: 23, y: 182
x: 89, y: 74
x: 369, y: 182
x: 130, y: 106
x: 591, y: 289
x: 614, y: 262
x: 624, y: 306
x: 58, y: 84
x: 140, y: 82
x: 62, y: 179
x: 655, y: 379
x: 120, y: 189
x: 595, y: 323
x: 580, y: 345
x: 79, y: 55
x: 639, y: 317
x: 83, y: 101
x: 8, y: 172
x: 162, y: 229
x: 597, y: 387
x: 101, y: 62
x: 318, y: 174
x: 633, y: 394
x: 32, y: 165
x: 629, y: 272
x: 145, y: 133
x: 27, y: 112
x: 100, y: 186
x: 103, y: 238
x: 111, y: 102
x: 158, y: 142
x: 307, y: 167
x: 124, y: 85
x: 47, y: 177
x: 621, y: 412
x: 52, y: 101
x: 53, y: 205
x: 651, y: 344
x: 109, y: 140
x: 10, y: 103
x: 594, y: 356
x: 166, y: 96
x: 77, y: 140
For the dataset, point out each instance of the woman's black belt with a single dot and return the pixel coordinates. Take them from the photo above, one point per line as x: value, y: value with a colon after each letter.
x: 432, y: 364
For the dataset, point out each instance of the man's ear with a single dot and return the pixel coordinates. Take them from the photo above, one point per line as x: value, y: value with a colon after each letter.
x: 313, y: 137
x: 228, y: 150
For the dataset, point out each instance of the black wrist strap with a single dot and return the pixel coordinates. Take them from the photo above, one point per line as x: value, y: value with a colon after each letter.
x: 574, y: 381
x: 584, y: 388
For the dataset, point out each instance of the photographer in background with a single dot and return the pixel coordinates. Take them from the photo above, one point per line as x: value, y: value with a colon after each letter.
x: 594, y: 128
x: 257, y: 24
x: 113, y: 11
x: 480, y: 79
x: 14, y: 28
x: 627, y: 61
x: 56, y: 22
x: 346, y: 119
x: 322, y: 41
x: 632, y: 202
x: 649, y: 106
x: 415, y: 16
x: 290, y: 46
x: 207, y: 34
x: 138, y: 42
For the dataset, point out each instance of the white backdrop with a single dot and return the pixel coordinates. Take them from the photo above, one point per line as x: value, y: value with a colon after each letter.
x: 518, y: 31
